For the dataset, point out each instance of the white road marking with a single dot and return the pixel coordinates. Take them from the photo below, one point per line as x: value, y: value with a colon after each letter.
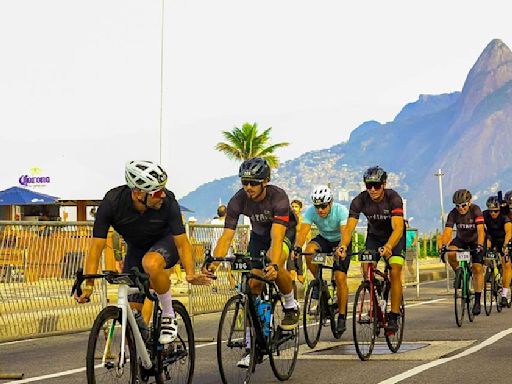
x: 421, y: 368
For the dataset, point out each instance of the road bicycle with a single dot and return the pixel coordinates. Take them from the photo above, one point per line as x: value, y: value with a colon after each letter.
x: 320, y: 302
x: 371, y: 306
x: 493, y: 280
x: 250, y: 324
x: 117, y: 350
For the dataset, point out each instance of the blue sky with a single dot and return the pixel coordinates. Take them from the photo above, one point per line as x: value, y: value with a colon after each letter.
x: 80, y: 81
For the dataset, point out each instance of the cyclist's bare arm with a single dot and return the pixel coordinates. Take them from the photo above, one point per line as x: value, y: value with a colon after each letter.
x: 347, y: 232
x: 446, y: 236
x: 91, y: 267
x: 397, y: 223
x: 508, y: 234
x: 480, y: 229
x: 277, y: 233
x: 222, y: 247
x: 303, y: 234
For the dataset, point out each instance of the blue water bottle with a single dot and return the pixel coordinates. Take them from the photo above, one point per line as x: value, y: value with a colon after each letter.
x: 264, y: 309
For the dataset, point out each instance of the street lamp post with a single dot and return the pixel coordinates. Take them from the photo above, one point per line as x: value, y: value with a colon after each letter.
x: 440, y: 175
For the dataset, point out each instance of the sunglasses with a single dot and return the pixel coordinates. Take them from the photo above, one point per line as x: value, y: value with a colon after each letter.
x: 321, y: 206
x: 159, y: 193
x: 252, y: 183
x: 463, y: 205
x: 494, y: 210
x: 374, y: 185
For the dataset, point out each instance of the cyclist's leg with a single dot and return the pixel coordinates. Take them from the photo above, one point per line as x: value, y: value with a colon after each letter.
x: 396, y: 262
x: 478, y: 269
x: 451, y: 256
x: 340, y: 276
x: 134, y: 259
x: 312, y: 247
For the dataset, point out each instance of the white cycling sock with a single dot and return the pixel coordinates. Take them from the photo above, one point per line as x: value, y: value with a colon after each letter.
x: 248, y: 338
x: 166, y: 304
x: 289, y: 301
x: 504, y: 292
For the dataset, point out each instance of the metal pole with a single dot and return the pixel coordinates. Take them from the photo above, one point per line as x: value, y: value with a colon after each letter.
x: 440, y: 175
x: 161, y: 78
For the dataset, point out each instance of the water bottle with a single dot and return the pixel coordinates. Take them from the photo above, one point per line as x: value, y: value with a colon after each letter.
x: 143, y: 328
x: 263, y: 310
x: 382, y: 304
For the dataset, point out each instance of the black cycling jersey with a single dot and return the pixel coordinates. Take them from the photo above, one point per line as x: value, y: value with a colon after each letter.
x: 495, y: 228
x: 379, y: 213
x: 466, y: 224
x: 140, y: 230
x: 274, y: 208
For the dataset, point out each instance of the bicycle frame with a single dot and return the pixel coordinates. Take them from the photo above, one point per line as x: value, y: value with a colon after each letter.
x: 466, y: 275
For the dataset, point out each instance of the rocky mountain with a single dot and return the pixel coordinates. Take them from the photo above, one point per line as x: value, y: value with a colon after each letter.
x: 467, y: 134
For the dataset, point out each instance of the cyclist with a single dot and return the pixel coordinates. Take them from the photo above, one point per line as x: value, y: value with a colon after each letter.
x: 499, y: 234
x: 273, y: 230
x: 469, y: 221
x: 330, y: 219
x: 148, y: 217
x: 383, y: 208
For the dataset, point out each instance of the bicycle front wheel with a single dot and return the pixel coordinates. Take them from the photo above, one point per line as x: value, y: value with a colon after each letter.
x: 312, y: 316
x: 176, y: 360
x: 364, y: 321
x: 283, y: 345
x: 103, y: 360
x: 458, y: 297
x: 235, y: 339
x: 489, y: 290
x: 470, y: 296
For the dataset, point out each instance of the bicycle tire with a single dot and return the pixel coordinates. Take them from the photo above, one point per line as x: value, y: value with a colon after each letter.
x: 237, y: 324
x: 498, y: 288
x: 470, y: 292
x: 489, y: 290
x: 394, y: 341
x: 106, y: 321
x: 459, y: 299
x: 312, y: 319
x: 170, y: 361
x: 282, y: 342
x: 364, y: 317
x: 333, y: 309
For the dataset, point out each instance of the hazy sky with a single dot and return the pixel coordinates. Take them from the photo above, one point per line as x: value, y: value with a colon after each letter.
x: 80, y: 80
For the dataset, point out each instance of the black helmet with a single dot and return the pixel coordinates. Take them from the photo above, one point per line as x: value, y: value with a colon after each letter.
x: 493, y: 202
x: 375, y: 175
x: 461, y: 196
x: 255, y: 168
x: 508, y: 197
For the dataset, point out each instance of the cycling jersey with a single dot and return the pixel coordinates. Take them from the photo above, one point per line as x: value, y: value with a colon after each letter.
x: 140, y: 230
x: 466, y: 224
x: 329, y: 226
x: 495, y: 228
x: 274, y: 208
x: 379, y: 213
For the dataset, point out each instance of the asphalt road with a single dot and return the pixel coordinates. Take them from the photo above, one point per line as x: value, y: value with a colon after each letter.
x: 434, y: 350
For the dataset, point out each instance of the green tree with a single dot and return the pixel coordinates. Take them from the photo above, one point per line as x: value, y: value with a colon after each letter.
x: 245, y: 143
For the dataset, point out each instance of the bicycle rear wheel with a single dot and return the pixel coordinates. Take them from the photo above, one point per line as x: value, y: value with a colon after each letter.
x: 284, y: 345
x: 458, y: 297
x: 394, y: 340
x: 489, y: 290
x: 235, y: 338
x: 312, y: 316
x: 176, y: 360
x: 104, y: 350
x: 364, y: 321
x: 498, y: 289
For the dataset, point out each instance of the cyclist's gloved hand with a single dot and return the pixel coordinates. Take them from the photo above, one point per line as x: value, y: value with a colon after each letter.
x: 271, y: 272
x: 442, y: 253
x: 479, y: 248
x: 341, y: 252
x: 386, y: 250
x: 85, y: 296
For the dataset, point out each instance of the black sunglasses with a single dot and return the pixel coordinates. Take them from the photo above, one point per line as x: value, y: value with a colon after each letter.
x: 252, y: 183
x: 462, y: 205
x: 374, y: 185
x: 323, y: 206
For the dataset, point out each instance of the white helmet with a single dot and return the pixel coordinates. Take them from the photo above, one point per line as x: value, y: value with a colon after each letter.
x: 321, y: 194
x: 145, y: 175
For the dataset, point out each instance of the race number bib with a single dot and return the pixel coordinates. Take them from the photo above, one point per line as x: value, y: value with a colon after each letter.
x: 367, y: 257
x: 463, y: 256
x: 241, y: 265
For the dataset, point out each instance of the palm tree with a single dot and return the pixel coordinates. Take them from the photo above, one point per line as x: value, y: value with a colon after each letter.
x: 245, y: 143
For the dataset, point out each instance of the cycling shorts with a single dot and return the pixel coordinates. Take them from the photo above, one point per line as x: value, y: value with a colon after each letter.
x: 477, y: 258
x: 398, y: 253
x: 327, y: 246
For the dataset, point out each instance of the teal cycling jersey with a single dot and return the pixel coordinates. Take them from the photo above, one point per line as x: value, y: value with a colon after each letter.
x: 329, y: 227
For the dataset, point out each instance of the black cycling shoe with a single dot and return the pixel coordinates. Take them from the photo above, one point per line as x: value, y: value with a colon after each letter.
x: 504, y: 301
x: 290, y: 319
x: 340, y: 326
x: 392, y: 323
x: 476, y: 309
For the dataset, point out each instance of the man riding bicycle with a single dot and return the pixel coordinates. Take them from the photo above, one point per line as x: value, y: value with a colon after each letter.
x: 273, y: 230
x: 330, y: 219
x: 383, y: 208
x: 469, y: 221
x: 499, y: 233
x: 148, y: 217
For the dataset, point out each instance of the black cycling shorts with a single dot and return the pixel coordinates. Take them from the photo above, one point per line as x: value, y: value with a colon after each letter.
x: 327, y: 246
x: 258, y: 243
x: 477, y: 258
x: 165, y: 247
x: 374, y: 243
